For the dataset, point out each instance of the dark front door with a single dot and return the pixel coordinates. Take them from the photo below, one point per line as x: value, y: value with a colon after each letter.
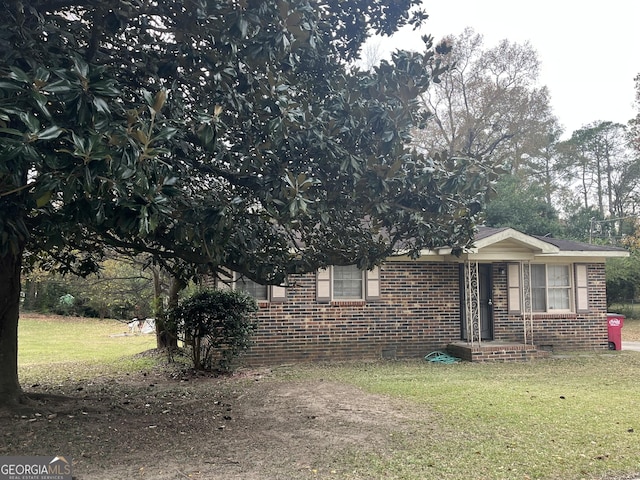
x: 485, y: 302
x: 485, y: 286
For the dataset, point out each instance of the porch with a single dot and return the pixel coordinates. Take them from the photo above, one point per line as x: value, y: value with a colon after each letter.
x: 488, y: 351
x: 481, y: 283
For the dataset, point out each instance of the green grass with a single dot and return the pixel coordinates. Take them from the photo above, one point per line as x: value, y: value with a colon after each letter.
x: 568, y: 418
x: 57, y: 348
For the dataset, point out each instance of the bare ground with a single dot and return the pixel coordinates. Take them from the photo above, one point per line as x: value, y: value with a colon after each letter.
x: 174, y: 426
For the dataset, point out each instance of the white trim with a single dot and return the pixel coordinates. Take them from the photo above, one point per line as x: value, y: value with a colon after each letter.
x: 527, y: 248
x: 325, y: 285
x: 534, y: 244
x: 581, y: 272
x: 363, y: 285
x: 570, y: 288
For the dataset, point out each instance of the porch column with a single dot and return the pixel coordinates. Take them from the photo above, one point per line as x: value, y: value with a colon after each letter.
x: 472, y: 301
x: 527, y: 310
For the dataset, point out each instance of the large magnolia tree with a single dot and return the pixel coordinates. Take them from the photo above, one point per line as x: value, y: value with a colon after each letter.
x: 226, y: 134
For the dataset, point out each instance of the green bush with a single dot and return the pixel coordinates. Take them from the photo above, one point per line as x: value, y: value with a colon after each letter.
x: 216, y: 326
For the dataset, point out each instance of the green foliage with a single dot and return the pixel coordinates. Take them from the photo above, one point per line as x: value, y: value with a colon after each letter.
x: 604, y: 173
x: 623, y: 274
x: 217, y: 325
x: 521, y: 205
x: 623, y: 278
x: 585, y: 225
x: 121, y: 290
x: 215, y: 137
x: 230, y: 135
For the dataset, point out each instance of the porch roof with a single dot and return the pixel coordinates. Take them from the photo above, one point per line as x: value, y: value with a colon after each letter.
x: 507, y: 244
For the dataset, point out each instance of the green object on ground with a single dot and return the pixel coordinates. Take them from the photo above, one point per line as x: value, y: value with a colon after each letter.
x: 441, y: 357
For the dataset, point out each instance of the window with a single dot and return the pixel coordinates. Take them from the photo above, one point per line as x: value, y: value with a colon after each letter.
x: 254, y: 289
x: 347, y: 283
x: 235, y: 281
x: 550, y: 287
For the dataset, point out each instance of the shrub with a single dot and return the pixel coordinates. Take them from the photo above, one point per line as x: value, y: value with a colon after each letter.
x: 216, y: 325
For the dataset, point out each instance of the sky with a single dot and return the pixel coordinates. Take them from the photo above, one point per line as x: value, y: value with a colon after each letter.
x: 589, y: 50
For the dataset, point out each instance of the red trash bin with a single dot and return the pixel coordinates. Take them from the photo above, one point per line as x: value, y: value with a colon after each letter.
x: 615, y: 322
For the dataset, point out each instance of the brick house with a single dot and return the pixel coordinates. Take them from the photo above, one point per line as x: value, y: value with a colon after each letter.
x: 511, y: 297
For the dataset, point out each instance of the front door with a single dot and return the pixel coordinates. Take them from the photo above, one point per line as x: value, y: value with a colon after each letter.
x: 485, y: 301
x: 485, y: 285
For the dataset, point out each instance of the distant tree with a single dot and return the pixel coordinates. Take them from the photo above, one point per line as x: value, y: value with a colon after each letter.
x: 371, y: 55
x: 122, y: 289
x: 623, y: 274
x: 634, y: 123
x: 220, y: 135
x: 623, y: 278
x: 489, y: 104
x: 542, y: 166
x: 597, y: 160
x: 522, y: 206
x: 586, y: 225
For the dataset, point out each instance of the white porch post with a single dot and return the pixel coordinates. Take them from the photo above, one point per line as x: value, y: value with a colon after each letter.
x: 472, y: 301
x: 527, y: 310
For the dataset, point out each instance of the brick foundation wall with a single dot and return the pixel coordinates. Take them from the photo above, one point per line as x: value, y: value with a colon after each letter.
x: 489, y: 352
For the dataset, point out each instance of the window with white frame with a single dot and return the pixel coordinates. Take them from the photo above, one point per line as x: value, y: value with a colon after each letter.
x: 348, y: 283
x: 550, y: 287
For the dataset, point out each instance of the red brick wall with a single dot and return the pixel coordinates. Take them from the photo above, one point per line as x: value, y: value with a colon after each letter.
x: 417, y: 313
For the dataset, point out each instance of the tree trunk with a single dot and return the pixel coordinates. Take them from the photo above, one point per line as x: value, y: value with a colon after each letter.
x: 31, y: 295
x: 10, y: 390
x: 158, y: 308
x: 167, y: 337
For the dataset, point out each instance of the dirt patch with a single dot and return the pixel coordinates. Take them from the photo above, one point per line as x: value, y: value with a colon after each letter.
x: 250, y: 426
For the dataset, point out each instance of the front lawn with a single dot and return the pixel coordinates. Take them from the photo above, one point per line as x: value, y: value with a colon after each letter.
x: 569, y: 417
x: 58, y: 347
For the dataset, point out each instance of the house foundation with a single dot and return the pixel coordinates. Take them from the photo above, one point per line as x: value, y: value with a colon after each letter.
x: 495, y: 351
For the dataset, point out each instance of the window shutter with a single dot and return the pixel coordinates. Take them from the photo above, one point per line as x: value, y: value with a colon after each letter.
x: 582, y: 288
x: 373, y: 283
x: 225, y: 279
x: 513, y: 287
x: 323, y: 285
x: 278, y: 293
